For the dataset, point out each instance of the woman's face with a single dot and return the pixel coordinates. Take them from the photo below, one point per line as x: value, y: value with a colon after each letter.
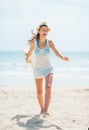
x: 43, y: 31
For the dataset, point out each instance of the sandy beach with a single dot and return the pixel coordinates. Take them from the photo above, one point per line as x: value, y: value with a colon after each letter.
x: 19, y: 109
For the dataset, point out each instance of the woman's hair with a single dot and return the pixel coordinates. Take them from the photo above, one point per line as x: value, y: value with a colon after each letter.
x: 37, y: 36
x: 34, y: 37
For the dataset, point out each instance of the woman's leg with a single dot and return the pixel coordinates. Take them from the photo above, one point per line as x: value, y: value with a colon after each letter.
x: 39, y: 83
x: 48, y: 84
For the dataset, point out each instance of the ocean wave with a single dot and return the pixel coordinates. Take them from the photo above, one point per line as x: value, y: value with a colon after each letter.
x: 16, y: 73
x: 72, y: 69
x: 11, y: 63
x: 84, y: 62
x: 74, y: 77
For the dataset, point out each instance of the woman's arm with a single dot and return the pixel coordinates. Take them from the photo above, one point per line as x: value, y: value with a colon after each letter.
x: 29, y: 52
x: 51, y: 44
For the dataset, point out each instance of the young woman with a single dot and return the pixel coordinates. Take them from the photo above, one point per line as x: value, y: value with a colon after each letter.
x: 42, y: 66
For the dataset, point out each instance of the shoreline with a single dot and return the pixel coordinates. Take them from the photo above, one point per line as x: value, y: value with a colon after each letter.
x: 30, y: 85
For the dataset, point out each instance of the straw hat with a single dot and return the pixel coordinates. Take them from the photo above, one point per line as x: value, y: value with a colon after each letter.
x: 43, y: 24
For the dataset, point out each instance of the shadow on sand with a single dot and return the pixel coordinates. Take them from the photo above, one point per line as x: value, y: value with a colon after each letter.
x: 34, y: 123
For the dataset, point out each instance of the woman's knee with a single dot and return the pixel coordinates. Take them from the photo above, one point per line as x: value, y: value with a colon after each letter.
x: 39, y: 92
x: 48, y: 90
x: 49, y: 80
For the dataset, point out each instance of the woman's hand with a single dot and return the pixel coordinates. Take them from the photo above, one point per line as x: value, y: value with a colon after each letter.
x: 28, y: 61
x: 65, y: 58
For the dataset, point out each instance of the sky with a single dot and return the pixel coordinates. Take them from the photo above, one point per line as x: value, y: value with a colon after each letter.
x: 68, y: 20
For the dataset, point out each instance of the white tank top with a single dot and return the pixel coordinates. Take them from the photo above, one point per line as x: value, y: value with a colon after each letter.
x: 42, y: 56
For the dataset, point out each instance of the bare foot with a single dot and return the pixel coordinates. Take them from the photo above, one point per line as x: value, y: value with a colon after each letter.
x: 45, y: 114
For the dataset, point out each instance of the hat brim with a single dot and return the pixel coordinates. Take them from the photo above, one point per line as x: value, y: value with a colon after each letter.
x: 38, y: 28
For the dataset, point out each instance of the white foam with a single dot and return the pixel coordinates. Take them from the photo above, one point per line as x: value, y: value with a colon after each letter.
x: 72, y: 69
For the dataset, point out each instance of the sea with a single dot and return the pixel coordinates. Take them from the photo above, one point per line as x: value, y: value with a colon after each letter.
x: 73, y: 73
